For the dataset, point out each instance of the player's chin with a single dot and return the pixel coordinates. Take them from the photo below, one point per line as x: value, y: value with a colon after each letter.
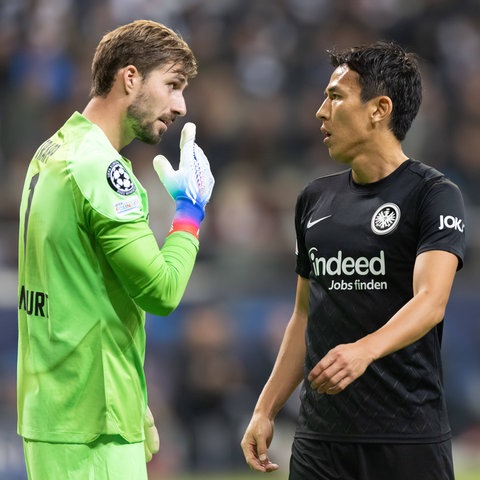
x: 161, y: 132
x: 151, y: 137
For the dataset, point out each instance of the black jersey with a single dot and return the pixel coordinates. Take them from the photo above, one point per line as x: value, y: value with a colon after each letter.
x: 357, y: 244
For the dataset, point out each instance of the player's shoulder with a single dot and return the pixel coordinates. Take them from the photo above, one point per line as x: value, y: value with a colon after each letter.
x: 425, y: 173
x: 429, y: 177
x: 89, y: 148
x: 325, y: 182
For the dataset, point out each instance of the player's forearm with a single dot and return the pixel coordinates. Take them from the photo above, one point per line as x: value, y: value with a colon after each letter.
x: 156, y: 278
x: 170, y: 272
x: 407, y: 326
x: 287, y: 372
x: 433, y: 278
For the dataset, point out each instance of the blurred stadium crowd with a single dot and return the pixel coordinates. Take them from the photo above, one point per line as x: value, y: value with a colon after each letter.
x: 262, y: 72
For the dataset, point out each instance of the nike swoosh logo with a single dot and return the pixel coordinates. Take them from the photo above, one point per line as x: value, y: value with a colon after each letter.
x: 311, y: 224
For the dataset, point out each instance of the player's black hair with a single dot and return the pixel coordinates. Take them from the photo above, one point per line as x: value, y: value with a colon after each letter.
x: 385, y: 68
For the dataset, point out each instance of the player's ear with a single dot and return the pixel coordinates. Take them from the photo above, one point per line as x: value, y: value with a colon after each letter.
x: 382, y: 108
x: 129, y: 76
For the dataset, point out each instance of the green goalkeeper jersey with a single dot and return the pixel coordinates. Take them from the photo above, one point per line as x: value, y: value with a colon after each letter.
x: 89, y: 268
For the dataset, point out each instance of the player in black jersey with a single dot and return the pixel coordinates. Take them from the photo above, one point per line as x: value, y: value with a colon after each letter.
x: 378, y: 246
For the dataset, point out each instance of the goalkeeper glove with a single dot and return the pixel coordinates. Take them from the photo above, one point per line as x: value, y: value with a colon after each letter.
x: 152, y: 440
x: 191, y: 185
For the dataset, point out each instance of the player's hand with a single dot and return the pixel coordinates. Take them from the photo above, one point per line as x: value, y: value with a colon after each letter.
x: 255, y: 443
x: 152, y: 439
x: 339, y: 368
x: 193, y: 179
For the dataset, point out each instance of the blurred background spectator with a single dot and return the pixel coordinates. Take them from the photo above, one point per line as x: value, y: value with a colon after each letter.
x: 263, y: 70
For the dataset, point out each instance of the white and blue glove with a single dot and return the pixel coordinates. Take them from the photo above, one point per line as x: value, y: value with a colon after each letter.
x: 191, y: 185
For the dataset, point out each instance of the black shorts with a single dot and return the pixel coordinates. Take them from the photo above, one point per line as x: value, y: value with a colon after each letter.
x: 320, y: 460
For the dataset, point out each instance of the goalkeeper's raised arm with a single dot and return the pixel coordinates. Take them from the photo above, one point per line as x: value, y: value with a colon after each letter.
x: 155, y: 277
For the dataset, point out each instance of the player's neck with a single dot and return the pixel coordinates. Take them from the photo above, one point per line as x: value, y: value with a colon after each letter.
x: 108, y: 116
x: 369, y: 169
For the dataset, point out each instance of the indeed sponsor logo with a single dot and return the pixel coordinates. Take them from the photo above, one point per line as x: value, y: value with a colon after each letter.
x: 340, y: 265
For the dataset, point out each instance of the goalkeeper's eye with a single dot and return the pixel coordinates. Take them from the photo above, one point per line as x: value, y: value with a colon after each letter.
x: 176, y: 85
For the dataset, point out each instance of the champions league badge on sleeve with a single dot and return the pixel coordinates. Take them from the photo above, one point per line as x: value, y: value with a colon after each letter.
x: 119, y: 179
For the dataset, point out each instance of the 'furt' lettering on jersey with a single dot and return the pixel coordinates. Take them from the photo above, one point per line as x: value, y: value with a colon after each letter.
x: 34, y: 303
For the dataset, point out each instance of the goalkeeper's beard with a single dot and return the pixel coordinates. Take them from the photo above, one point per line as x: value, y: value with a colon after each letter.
x: 142, y: 129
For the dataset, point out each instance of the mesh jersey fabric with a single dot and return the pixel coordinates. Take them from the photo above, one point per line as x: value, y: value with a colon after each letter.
x: 357, y: 244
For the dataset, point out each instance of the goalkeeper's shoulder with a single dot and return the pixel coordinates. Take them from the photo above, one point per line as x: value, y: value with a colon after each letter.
x: 106, y: 181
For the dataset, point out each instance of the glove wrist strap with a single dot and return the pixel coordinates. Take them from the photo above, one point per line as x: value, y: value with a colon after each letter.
x: 187, y: 217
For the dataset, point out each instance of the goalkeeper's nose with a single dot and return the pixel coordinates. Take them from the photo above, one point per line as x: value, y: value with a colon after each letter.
x: 178, y: 105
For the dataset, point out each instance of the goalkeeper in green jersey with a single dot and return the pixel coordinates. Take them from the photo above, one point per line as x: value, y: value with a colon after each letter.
x: 89, y: 265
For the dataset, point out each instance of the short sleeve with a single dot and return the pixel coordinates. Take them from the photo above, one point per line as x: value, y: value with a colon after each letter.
x: 303, y: 263
x: 442, y: 220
